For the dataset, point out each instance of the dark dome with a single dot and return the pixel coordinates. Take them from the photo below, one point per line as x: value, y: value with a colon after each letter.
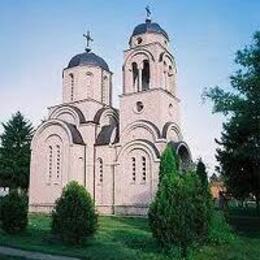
x: 88, y: 58
x: 148, y: 26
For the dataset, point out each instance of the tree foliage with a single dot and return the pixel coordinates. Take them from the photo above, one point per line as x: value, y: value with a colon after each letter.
x: 15, y: 152
x: 201, y: 172
x: 14, y: 212
x: 169, y: 162
x: 180, y: 214
x: 74, y: 217
x: 239, y: 151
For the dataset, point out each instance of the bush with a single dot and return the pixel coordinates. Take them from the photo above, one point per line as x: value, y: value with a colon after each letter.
x: 219, y: 231
x: 1, y: 199
x: 74, y: 217
x: 14, y: 212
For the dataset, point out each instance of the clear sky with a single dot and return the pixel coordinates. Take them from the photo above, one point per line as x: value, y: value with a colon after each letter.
x: 38, y: 38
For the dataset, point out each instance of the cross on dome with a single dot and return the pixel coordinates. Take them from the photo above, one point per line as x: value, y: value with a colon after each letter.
x: 89, y: 39
x: 148, y: 13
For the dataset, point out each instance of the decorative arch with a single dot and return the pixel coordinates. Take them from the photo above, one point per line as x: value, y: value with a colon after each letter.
x: 183, y: 150
x: 171, y: 126
x: 147, y: 125
x: 106, y: 112
x: 141, y: 144
x: 74, y: 137
x: 141, y: 51
x: 73, y: 112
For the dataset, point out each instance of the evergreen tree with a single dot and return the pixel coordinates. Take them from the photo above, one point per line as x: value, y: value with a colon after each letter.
x: 180, y: 214
x: 201, y: 172
x: 15, y: 152
x: 239, y: 152
x: 169, y: 162
x: 74, y: 217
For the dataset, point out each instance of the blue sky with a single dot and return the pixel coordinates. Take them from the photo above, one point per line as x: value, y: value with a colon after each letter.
x: 39, y: 37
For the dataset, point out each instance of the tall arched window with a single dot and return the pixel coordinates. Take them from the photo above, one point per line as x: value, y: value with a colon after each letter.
x: 71, y: 87
x: 50, y: 162
x: 144, y: 169
x: 89, y: 83
x: 145, y: 75
x: 58, y: 162
x: 100, y: 169
x: 135, y: 76
x: 133, y: 169
x: 105, y: 90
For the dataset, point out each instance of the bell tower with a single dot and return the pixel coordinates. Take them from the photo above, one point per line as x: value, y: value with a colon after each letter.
x: 149, y: 78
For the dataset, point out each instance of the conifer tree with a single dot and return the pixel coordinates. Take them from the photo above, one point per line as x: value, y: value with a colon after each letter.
x: 169, y: 162
x: 201, y: 172
x: 15, y: 152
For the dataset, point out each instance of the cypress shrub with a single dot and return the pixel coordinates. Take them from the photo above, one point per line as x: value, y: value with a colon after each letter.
x: 14, y: 212
x: 181, y: 212
x: 172, y: 214
x: 74, y: 217
x: 203, y: 202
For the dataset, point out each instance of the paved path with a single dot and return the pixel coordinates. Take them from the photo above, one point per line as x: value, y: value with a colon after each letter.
x: 9, y: 251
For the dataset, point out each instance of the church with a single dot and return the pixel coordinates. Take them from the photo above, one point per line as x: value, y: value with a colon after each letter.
x: 114, y: 153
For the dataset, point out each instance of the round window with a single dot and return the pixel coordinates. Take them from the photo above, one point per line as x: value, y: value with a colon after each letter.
x: 139, y: 106
x: 139, y: 40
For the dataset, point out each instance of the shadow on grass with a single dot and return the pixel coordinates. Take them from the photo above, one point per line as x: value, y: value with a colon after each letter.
x: 246, y: 226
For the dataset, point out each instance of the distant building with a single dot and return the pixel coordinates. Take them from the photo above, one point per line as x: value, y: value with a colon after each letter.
x: 216, y: 186
x: 114, y: 153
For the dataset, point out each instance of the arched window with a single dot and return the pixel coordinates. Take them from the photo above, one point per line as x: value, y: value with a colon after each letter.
x: 105, y: 90
x: 145, y: 75
x: 135, y: 76
x: 71, y: 87
x: 50, y: 162
x: 133, y: 169
x: 100, y: 169
x: 144, y: 169
x: 58, y: 161
x: 89, y: 83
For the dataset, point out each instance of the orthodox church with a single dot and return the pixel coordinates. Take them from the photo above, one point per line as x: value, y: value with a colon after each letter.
x: 114, y: 153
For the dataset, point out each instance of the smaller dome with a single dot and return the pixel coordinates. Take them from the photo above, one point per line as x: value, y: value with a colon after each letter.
x: 88, y: 58
x: 149, y: 27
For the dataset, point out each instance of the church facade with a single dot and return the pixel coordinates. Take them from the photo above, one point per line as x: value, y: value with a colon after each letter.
x: 114, y: 153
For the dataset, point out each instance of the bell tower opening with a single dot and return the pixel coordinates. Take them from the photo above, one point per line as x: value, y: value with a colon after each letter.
x: 135, y: 76
x: 145, y: 75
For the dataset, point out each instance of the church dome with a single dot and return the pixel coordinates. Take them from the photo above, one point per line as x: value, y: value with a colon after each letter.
x: 149, y: 27
x: 88, y: 58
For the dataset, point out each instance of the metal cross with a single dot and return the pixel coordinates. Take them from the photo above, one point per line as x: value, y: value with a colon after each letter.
x: 148, y: 11
x: 89, y: 39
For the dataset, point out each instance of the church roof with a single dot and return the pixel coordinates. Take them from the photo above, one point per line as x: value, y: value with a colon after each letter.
x: 149, y: 27
x: 88, y: 58
x: 105, y: 134
x: 76, y: 136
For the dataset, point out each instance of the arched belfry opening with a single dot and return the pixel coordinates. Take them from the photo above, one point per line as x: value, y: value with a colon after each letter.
x: 135, y: 76
x: 145, y: 75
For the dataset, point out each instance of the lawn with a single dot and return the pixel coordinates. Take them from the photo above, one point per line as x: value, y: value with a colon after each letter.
x: 130, y: 238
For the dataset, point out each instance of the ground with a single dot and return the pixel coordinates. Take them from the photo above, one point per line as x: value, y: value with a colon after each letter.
x: 130, y: 238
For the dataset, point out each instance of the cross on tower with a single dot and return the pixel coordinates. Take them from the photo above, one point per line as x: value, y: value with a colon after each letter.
x: 148, y: 12
x: 89, y: 39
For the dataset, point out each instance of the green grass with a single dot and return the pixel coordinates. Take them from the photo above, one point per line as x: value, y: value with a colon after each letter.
x: 127, y: 238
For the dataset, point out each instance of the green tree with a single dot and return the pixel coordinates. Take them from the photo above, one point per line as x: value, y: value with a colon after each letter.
x: 180, y: 214
x: 169, y: 162
x: 14, y: 212
x: 15, y: 152
x: 74, y: 217
x: 239, y: 151
x: 201, y: 172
